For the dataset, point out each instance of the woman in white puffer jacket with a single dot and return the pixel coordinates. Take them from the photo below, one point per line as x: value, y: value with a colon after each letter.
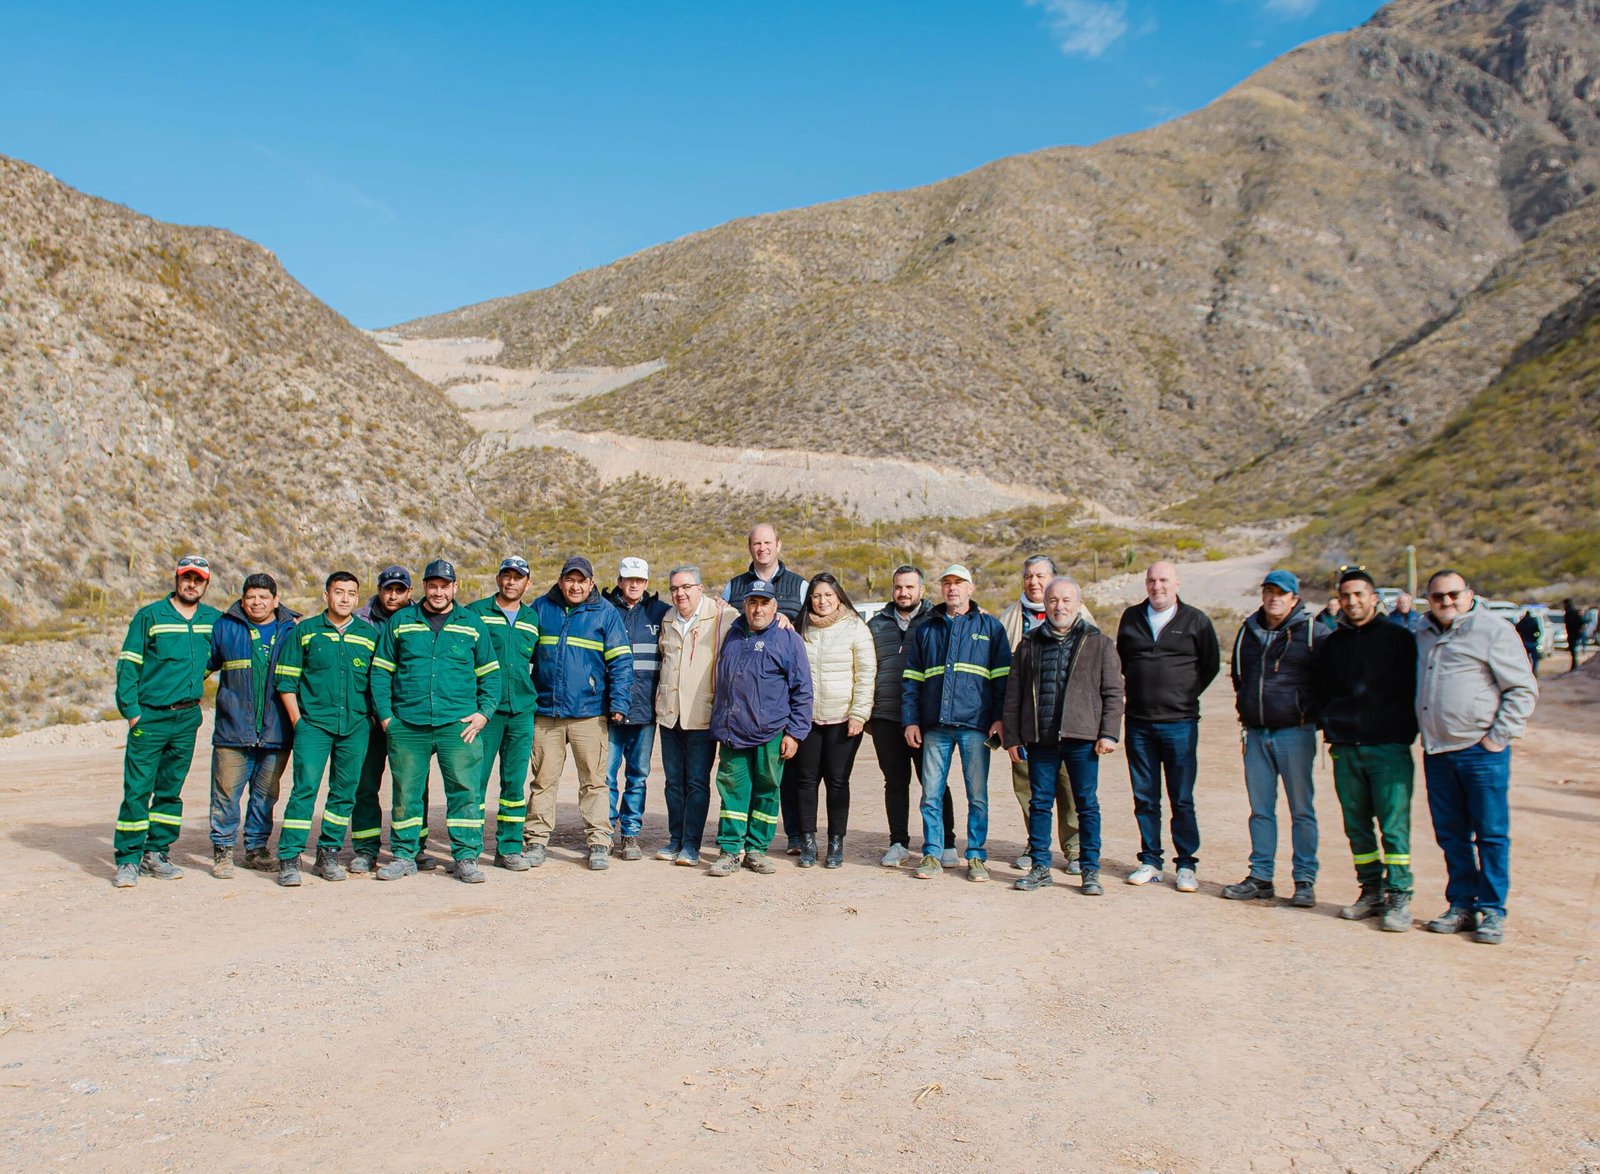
x: 844, y: 669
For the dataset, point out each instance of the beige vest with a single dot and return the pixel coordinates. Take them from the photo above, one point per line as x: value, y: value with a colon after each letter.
x: 684, y: 692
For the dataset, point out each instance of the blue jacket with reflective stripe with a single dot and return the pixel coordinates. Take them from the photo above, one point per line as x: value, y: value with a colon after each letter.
x: 237, y: 649
x: 583, y: 666
x: 956, y: 671
x: 642, y: 622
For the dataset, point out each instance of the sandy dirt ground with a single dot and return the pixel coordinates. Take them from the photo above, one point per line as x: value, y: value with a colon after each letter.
x: 849, y: 1019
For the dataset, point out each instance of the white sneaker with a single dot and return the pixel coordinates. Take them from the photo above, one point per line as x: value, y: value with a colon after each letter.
x: 895, y: 856
x: 1187, y: 881
x: 950, y: 859
x: 1144, y: 874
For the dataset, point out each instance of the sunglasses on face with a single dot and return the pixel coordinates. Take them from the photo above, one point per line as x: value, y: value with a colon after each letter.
x: 1446, y: 596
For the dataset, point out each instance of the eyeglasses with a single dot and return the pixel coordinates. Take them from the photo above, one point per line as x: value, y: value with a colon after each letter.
x: 1447, y: 596
x: 683, y: 588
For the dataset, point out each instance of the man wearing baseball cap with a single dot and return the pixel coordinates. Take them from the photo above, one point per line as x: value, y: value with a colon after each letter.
x: 509, y: 734
x: 434, y: 685
x: 1272, y: 682
x: 584, y: 671
x: 633, y: 739
x: 161, y: 671
x: 366, y: 822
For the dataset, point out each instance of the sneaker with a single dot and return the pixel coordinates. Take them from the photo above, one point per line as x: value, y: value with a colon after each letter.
x: 794, y: 846
x: 631, y: 849
x: 928, y: 869
x: 1491, y: 928
x: 127, y: 876
x: 948, y: 858
x: 222, y: 863
x: 425, y: 863
x: 1090, y: 885
x: 897, y: 855
x: 1144, y: 874
x: 397, y: 868
x: 1037, y: 878
x: 1369, y: 904
x: 157, y: 865
x: 1073, y: 867
x: 468, y: 872
x: 1305, y: 895
x: 599, y: 858
x: 978, y: 871
x: 725, y: 865
x: 1023, y: 863
x: 515, y: 862
x: 1251, y: 888
x: 687, y: 858
x: 534, y: 854
x: 289, y: 873
x: 1397, y: 916
x: 260, y: 859
x: 328, y: 866
x: 758, y: 862
x: 362, y: 863
x: 1187, y: 881
x: 1456, y: 919
x: 670, y: 853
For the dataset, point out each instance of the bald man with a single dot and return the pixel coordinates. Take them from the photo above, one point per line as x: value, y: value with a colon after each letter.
x: 1169, y: 655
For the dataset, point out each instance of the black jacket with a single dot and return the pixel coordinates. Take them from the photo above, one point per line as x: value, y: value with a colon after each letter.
x: 1364, y: 685
x: 1166, y: 677
x: 1272, y: 671
x: 891, y: 644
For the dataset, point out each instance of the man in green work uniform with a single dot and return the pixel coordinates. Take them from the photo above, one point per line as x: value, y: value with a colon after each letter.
x: 366, y: 828
x: 160, y: 672
x: 509, y: 734
x: 433, y: 690
x: 322, y: 676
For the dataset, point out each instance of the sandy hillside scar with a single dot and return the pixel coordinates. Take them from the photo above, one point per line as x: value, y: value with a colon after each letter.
x: 853, y: 1019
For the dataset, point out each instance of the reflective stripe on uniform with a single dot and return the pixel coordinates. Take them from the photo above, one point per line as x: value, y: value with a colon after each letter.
x: 404, y: 824
x: 511, y: 819
x: 613, y: 653
x: 463, y: 823
x: 366, y: 833
x: 351, y: 638
x: 461, y: 630
x: 133, y: 825
x: 386, y: 665
x: 492, y: 667
x: 404, y: 629
x: 235, y: 664
x: 527, y: 627
x: 1406, y: 860
x: 740, y: 816
x: 288, y: 670
x: 130, y: 657
x: 170, y: 820
x: 303, y: 825
x: 342, y: 821
x: 582, y: 642
x: 763, y: 817
x: 1366, y: 857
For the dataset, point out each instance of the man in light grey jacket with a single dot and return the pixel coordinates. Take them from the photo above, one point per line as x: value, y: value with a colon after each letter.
x: 1475, y: 693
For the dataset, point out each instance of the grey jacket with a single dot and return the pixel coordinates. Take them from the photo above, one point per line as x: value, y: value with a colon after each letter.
x: 1473, y: 680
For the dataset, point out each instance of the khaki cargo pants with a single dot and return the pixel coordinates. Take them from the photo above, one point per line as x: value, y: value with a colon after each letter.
x: 590, y: 741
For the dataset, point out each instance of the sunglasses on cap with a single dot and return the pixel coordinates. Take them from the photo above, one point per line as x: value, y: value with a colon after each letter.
x: 193, y: 564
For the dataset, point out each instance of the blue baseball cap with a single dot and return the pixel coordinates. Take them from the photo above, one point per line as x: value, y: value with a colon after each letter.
x: 761, y: 590
x: 1283, y: 581
x: 392, y: 575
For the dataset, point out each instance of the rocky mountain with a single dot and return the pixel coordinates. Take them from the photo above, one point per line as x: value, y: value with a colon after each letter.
x: 169, y: 389
x: 1173, y: 302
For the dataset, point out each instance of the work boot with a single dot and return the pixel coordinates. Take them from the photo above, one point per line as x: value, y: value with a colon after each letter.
x: 808, y: 850
x: 1037, y: 878
x: 599, y: 858
x: 1397, y: 917
x: 1251, y: 888
x: 725, y: 865
x: 424, y: 862
x: 978, y: 871
x: 835, y: 852
x: 669, y: 852
x: 1456, y: 919
x: 289, y: 873
x: 157, y: 865
x: 794, y: 846
x: 534, y: 854
x: 362, y: 863
x: 1090, y: 885
x: 631, y: 849
x: 1491, y: 928
x: 1369, y: 904
x: 328, y: 866
x: 127, y: 876
x: 758, y: 862
x: 468, y: 872
x: 222, y: 863
x: 397, y: 868
x: 516, y: 862
x: 1305, y: 895
x: 928, y: 869
x: 260, y: 859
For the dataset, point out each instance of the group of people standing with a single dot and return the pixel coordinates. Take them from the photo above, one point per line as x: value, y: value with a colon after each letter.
x: 775, y: 682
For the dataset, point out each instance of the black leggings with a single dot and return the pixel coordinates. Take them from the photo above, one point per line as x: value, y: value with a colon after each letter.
x: 827, y: 755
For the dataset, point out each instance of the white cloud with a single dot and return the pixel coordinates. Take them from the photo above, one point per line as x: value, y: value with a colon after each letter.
x: 1291, y: 7
x: 1087, y: 28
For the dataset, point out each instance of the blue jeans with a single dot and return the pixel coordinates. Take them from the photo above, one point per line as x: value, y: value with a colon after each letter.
x: 939, y: 745
x: 1468, y: 797
x: 1154, y: 747
x: 1288, y: 754
x: 686, y: 761
x: 1083, y: 769
x: 232, y: 771
x: 630, y: 744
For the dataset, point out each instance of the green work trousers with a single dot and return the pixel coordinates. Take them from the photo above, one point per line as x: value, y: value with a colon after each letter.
x: 366, y: 827
x: 509, y: 737
x: 1374, y: 788
x: 314, y: 750
x: 411, y: 749
x: 748, y: 781
x: 1066, y: 810
x: 154, y: 765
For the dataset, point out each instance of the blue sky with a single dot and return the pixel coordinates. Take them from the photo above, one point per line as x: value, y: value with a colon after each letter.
x: 402, y: 159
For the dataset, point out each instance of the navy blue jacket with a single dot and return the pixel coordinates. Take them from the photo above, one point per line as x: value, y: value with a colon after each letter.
x: 763, y: 687
x: 642, y: 622
x: 956, y: 670
x: 1272, y: 671
x: 234, y: 642
x: 583, y: 666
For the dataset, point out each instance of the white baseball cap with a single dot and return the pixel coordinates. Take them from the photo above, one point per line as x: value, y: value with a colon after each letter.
x: 955, y: 571
x: 633, y: 568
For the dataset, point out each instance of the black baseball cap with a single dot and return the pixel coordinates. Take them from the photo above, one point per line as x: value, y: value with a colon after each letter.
x: 389, y: 576
x: 439, y: 569
x: 577, y: 563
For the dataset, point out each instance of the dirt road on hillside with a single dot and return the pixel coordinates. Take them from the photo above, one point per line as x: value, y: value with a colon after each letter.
x: 849, y: 1019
